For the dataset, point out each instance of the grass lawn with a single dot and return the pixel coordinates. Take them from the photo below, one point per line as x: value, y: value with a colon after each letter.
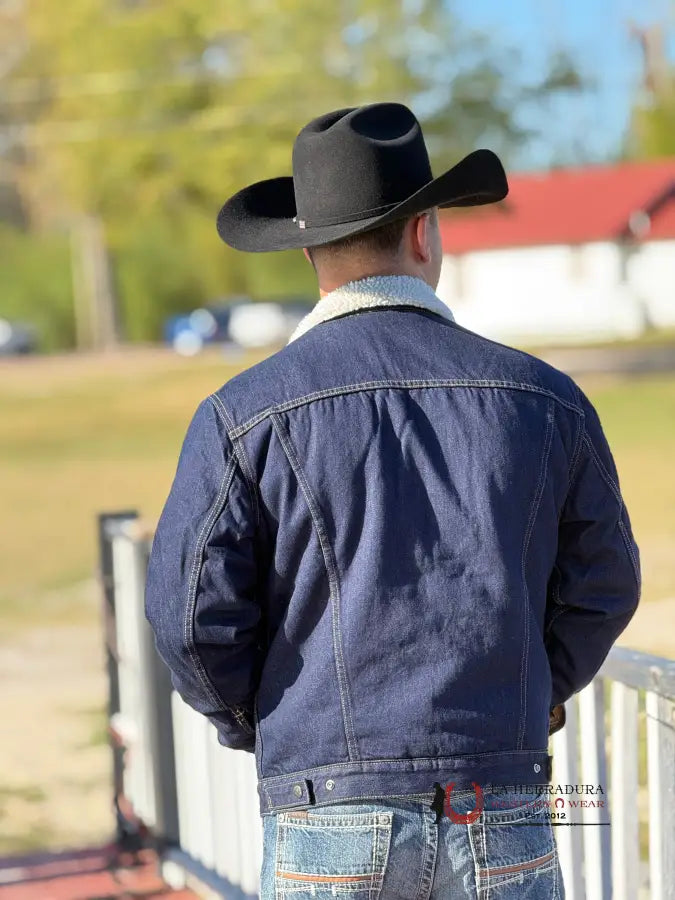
x: 79, y: 435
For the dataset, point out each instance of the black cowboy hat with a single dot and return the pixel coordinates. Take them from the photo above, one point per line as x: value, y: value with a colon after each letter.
x: 354, y: 169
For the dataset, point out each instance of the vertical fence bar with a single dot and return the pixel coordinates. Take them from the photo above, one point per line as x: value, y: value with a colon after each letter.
x: 661, y: 780
x: 182, y: 773
x: 624, y: 785
x: 108, y: 523
x: 156, y: 710
x: 251, y: 826
x: 226, y: 827
x: 566, y: 771
x: 597, y: 846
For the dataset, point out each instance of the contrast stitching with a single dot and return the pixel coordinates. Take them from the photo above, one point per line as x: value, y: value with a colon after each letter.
x: 396, y: 763
x: 239, y: 430
x: 541, y: 482
x: 197, y: 563
x: 347, y: 825
x: 383, y: 833
x: 519, y: 867
x: 333, y: 583
x: 303, y: 876
x: 240, y: 452
x: 487, y: 886
x: 576, y: 454
x: 430, y: 859
x: 374, y: 826
x: 475, y: 853
x: 614, y: 488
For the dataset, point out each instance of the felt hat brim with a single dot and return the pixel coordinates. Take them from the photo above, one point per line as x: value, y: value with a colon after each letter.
x: 260, y: 217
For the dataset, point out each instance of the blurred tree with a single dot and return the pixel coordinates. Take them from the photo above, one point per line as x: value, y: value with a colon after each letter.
x: 652, y: 130
x: 149, y: 113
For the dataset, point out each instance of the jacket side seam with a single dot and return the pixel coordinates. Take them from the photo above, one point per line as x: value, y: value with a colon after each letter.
x: 536, y: 501
x: 239, y: 430
x: 240, y: 452
x: 333, y: 583
x: 195, y: 573
x: 614, y: 488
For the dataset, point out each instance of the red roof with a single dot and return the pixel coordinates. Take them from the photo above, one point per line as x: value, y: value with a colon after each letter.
x: 569, y: 206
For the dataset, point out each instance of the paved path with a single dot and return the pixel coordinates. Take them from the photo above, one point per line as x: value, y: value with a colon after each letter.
x: 83, y: 875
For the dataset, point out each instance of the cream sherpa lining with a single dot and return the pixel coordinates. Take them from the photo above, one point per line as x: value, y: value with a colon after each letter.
x: 377, y: 290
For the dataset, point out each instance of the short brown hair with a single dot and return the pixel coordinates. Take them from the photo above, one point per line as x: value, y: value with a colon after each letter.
x: 384, y: 239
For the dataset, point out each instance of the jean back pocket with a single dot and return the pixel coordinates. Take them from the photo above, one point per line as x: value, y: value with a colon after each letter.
x: 322, y: 855
x: 515, y: 853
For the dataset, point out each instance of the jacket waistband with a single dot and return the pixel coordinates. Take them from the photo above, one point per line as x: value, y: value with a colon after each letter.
x: 379, y: 778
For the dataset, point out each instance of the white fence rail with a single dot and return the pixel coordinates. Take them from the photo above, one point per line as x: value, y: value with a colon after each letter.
x: 201, y: 799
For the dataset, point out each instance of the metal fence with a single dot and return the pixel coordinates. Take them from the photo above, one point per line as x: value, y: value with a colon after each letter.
x: 200, y: 800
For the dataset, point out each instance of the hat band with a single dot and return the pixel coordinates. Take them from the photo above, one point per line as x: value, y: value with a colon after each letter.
x: 340, y: 220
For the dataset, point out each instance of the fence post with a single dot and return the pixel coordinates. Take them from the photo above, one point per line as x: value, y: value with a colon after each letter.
x: 624, y: 782
x: 566, y: 771
x: 108, y: 525
x: 661, y: 782
x: 597, y: 847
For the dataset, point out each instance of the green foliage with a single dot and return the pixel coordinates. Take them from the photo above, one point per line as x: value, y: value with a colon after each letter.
x: 653, y: 130
x: 36, y: 285
x: 150, y: 114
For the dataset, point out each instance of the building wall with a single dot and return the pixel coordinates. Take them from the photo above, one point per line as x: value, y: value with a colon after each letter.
x: 651, y: 273
x: 561, y: 293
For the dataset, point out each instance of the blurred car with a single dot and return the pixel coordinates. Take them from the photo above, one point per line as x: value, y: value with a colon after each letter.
x: 16, y: 339
x: 189, y: 333
x: 243, y: 322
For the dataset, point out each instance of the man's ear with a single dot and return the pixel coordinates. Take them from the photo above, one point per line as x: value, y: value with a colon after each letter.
x: 307, y: 256
x: 421, y: 237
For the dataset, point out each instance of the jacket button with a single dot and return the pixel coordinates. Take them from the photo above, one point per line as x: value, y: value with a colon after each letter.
x: 537, y: 767
x: 297, y: 790
x: 330, y: 784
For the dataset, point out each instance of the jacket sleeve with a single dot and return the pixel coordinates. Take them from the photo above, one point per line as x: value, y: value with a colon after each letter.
x: 595, y: 585
x: 201, y: 584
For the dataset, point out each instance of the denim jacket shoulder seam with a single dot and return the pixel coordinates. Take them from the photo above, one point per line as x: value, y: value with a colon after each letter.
x: 578, y: 443
x: 237, y: 431
x: 333, y: 581
x: 614, y: 488
x: 240, y: 452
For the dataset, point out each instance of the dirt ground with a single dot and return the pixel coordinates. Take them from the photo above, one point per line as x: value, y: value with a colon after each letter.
x: 55, y: 787
x: 56, y: 784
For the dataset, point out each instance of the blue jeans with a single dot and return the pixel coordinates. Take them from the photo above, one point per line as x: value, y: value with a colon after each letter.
x: 396, y: 850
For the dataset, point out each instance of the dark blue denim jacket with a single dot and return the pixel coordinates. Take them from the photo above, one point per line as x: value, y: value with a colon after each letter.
x: 388, y: 549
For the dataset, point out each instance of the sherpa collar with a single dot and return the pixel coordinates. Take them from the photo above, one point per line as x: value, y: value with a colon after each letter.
x: 376, y: 290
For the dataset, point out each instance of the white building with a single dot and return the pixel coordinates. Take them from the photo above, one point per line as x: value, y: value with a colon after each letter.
x: 579, y: 254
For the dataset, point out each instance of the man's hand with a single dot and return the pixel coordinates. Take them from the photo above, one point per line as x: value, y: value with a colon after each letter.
x: 556, y: 719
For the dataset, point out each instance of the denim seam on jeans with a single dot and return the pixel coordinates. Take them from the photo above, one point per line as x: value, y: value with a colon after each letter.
x: 333, y: 582
x: 430, y: 856
x: 536, y: 501
x: 188, y: 626
x: 403, y: 384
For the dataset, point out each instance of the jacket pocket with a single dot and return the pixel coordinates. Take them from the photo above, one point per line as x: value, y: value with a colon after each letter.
x: 514, y: 850
x: 321, y: 855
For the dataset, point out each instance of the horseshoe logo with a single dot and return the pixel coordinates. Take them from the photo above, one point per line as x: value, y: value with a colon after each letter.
x: 463, y: 818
